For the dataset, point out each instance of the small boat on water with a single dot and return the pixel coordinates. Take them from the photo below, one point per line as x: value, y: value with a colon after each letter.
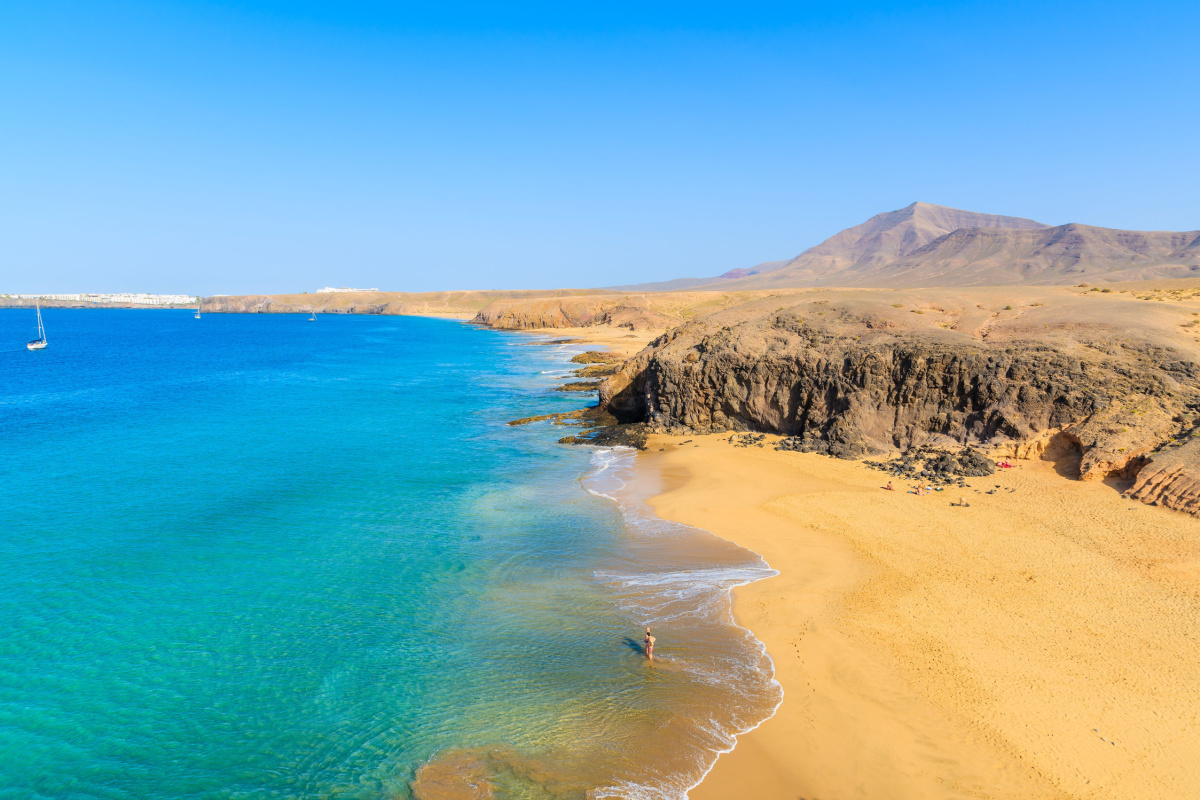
x: 197, y: 310
x: 40, y: 342
x: 313, y: 318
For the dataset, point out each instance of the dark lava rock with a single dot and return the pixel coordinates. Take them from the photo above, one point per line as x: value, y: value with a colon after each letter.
x: 612, y: 436
x: 842, y: 382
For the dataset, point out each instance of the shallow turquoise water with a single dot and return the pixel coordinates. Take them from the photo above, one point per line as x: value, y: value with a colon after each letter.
x: 254, y: 556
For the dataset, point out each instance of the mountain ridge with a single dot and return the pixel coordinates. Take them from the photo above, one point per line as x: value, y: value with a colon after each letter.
x: 929, y: 245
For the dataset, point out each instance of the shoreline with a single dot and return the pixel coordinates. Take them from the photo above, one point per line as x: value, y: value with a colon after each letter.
x: 955, y: 652
x: 948, y: 653
x: 625, y: 344
x: 681, y: 578
x: 621, y: 342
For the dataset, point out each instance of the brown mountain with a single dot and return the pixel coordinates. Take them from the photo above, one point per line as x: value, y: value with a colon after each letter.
x: 928, y: 245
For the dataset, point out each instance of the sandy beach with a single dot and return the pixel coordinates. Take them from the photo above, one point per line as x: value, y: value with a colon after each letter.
x: 1040, y: 643
x: 618, y: 341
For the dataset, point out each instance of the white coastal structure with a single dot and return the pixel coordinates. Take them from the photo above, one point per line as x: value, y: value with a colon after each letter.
x: 331, y: 290
x: 116, y: 297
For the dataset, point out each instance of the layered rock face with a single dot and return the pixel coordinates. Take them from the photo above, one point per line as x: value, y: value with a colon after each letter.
x: 1170, y: 476
x: 861, y: 379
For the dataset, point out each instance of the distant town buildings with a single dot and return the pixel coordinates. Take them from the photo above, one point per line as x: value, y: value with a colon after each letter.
x: 118, y: 297
x: 329, y: 289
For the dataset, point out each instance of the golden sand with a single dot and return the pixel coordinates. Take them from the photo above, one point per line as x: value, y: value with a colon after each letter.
x: 620, y: 341
x: 1041, y: 643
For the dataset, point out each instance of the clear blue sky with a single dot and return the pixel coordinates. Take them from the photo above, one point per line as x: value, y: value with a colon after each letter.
x: 232, y: 147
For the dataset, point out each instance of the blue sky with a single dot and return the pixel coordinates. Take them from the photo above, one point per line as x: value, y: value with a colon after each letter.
x: 233, y: 147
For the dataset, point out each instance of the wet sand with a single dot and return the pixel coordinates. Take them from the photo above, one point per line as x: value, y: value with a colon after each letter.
x: 1039, y: 644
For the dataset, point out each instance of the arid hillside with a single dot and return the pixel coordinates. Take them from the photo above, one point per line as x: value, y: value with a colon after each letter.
x: 924, y: 245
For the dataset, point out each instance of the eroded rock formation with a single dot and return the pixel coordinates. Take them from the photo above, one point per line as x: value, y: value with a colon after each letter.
x: 862, y: 380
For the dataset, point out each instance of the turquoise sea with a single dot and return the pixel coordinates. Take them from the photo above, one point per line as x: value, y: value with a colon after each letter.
x: 254, y: 556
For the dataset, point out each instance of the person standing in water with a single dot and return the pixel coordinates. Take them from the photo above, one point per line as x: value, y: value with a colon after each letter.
x: 649, y: 642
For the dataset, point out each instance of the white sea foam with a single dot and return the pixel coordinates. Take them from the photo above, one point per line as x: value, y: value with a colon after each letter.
x: 672, y: 596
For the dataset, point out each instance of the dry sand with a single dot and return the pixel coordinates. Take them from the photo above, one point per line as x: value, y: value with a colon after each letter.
x: 1039, y: 644
x: 620, y: 341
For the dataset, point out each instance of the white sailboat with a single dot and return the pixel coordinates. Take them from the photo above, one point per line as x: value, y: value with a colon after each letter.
x: 40, y: 342
x: 313, y: 318
x: 197, y: 309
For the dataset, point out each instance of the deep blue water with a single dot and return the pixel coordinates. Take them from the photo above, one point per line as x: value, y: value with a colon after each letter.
x: 253, y: 556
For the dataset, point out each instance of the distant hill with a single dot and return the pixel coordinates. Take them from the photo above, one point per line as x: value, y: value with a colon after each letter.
x: 928, y: 245
x: 682, y: 284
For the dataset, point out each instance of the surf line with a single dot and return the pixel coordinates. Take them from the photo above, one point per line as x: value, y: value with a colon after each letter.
x: 609, y: 478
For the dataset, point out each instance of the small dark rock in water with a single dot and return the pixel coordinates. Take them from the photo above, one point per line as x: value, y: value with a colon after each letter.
x: 595, y: 357
x: 597, y: 371
x: 612, y: 436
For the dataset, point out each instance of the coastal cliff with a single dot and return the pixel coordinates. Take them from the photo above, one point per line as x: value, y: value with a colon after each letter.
x: 851, y: 384
x: 1103, y: 387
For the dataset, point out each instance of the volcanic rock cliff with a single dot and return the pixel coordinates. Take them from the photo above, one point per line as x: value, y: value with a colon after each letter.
x: 855, y: 375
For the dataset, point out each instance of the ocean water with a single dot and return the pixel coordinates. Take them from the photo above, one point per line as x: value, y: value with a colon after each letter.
x: 253, y: 556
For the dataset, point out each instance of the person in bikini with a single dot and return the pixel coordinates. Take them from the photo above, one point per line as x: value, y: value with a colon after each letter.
x: 649, y: 642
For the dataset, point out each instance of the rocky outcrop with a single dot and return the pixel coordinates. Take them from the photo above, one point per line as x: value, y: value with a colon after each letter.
x: 1103, y: 385
x: 1170, y: 476
x: 859, y: 382
x: 574, y: 312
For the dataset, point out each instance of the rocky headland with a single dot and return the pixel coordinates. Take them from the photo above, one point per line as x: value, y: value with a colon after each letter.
x: 1105, y: 385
